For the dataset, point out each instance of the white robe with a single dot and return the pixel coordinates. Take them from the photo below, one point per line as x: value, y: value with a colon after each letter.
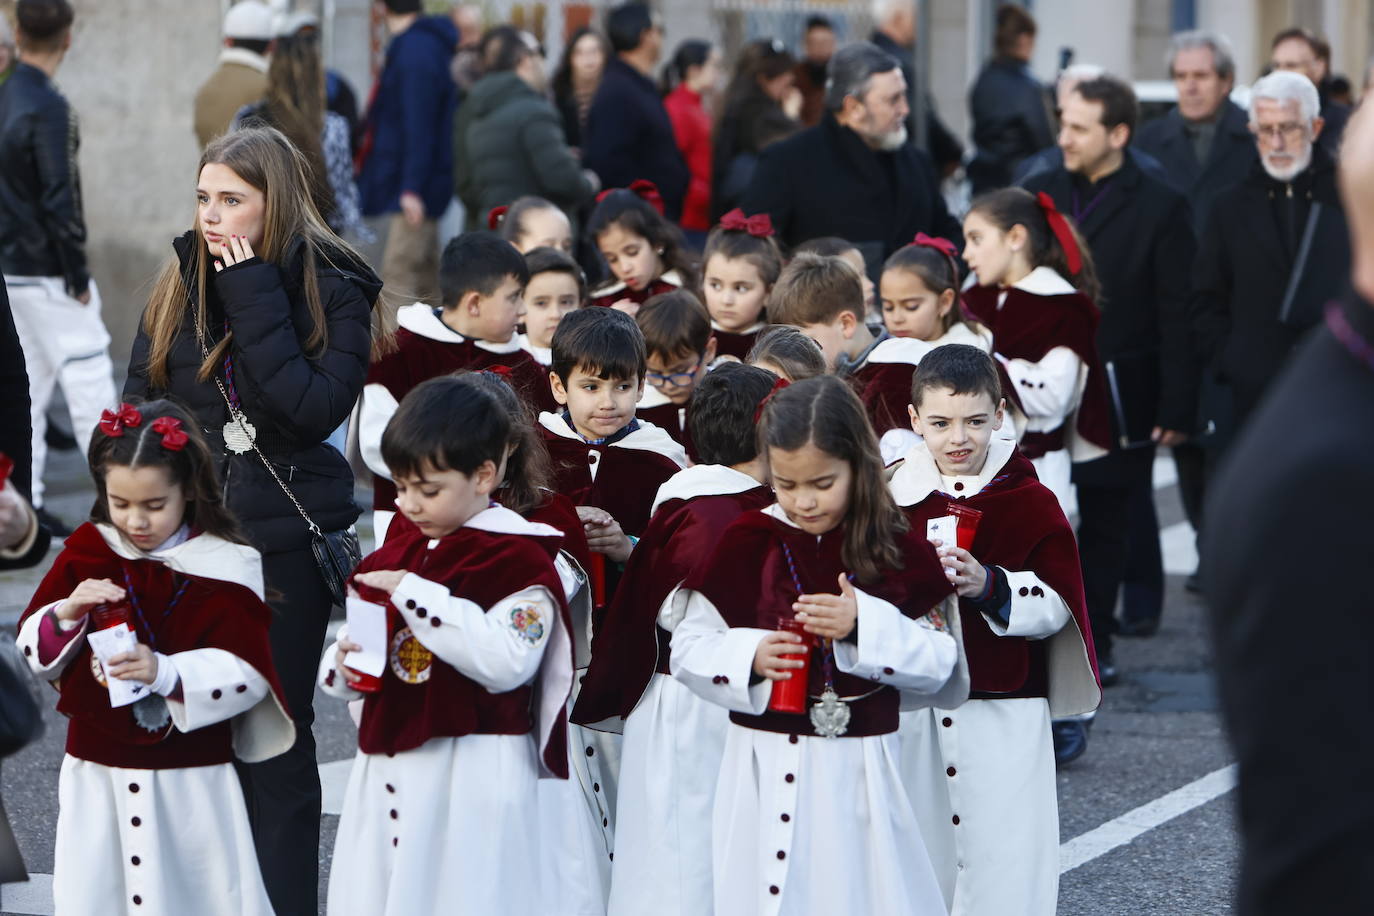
x: 452, y: 826
x: 813, y: 825
x: 136, y: 840
x: 990, y: 763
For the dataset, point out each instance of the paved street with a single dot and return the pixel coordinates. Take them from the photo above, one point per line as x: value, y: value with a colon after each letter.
x: 1147, y: 821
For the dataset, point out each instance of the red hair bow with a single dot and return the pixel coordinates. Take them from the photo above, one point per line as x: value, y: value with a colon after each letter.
x: 494, y: 217
x: 642, y: 188
x: 114, y: 422
x: 760, y: 225
x: 503, y: 371
x: 173, y: 438
x: 778, y: 385
x: 1060, y: 227
x: 943, y: 245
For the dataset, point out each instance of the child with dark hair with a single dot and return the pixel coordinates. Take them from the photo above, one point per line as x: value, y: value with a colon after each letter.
x: 739, y: 267
x: 831, y: 246
x: 919, y: 291
x: 156, y: 721
x: 679, y: 347
x: 787, y: 353
x: 604, y: 459
x: 557, y: 286
x: 470, y: 710
x: 1026, y: 635
x: 532, y: 222
x: 645, y: 253
x: 1036, y: 290
x: 482, y: 279
x: 673, y: 740
x: 809, y: 809
x: 821, y: 296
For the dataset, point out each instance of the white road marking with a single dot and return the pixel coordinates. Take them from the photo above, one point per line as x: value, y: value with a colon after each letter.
x: 1178, y: 544
x: 33, y: 898
x: 1165, y: 471
x: 1122, y: 830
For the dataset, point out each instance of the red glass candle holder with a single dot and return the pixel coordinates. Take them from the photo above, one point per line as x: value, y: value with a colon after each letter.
x: 967, y: 521
x: 790, y: 695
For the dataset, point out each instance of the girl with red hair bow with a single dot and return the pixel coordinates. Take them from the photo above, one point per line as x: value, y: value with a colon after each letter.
x: 646, y: 253
x: 741, y: 263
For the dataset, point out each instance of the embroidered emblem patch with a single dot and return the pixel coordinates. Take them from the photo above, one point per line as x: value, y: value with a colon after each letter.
x: 527, y: 623
x: 935, y: 621
x: 410, y: 661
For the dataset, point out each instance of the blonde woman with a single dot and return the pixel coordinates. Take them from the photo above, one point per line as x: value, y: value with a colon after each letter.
x: 263, y: 324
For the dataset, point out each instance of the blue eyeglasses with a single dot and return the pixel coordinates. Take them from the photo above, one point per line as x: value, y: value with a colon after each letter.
x: 674, y: 379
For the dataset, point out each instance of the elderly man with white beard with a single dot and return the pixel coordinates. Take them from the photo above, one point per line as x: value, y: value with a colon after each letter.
x: 854, y: 175
x: 1276, y: 248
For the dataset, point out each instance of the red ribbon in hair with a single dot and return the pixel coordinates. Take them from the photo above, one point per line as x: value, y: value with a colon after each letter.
x: 642, y: 188
x: 503, y: 371
x: 114, y: 422
x: 942, y: 245
x: 173, y: 438
x: 1060, y: 227
x: 494, y: 217
x: 760, y: 225
x: 778, y: 385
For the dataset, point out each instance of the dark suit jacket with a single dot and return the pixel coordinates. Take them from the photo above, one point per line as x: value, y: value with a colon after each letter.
x: 827, y: 181
x: 1295, y: 644
x: 1243, y: 270
x: 1142, y: 243
x: 1228, y: 161
x: 16, y: 430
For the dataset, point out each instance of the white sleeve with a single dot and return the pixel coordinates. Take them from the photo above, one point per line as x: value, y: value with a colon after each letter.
x: 672, y: 611
x: 895, y: 649
x: 1037, y: 611
x: 29, y: 638
x: 1048, y: 389
x: 716, y: 661
x: 215, y: 685
x: 896, y: 442
x: 376, y: 407
x: 499, y: 648
x: 330, y: 679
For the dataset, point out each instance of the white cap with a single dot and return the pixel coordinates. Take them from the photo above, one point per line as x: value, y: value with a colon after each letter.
x: 251, y: 20
x: 289, y: 24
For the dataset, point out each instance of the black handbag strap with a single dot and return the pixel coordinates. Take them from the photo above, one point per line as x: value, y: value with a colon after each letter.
x: 1300, y: 262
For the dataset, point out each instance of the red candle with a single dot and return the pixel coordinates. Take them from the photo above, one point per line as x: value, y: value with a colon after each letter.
x: 790, y: 695
x: 967, y: 520
x: 105, y: 616
x: 367, y: 683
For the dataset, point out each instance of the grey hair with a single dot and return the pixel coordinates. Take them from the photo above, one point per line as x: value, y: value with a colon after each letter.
x: 880, y: 10
x: 1223, y: 58
x: 1286, y: 86
x: 851, y: 68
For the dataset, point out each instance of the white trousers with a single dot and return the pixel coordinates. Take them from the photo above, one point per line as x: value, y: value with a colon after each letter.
x: 65, y: 343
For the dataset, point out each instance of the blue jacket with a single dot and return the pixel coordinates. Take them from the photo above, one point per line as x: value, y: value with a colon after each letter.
x: 629, y: 136
x: 411, y: 121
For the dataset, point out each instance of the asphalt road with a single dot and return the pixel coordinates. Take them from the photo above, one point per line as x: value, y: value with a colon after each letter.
x: 1156, y: 733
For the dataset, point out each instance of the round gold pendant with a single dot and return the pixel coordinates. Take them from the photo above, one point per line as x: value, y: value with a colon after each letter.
x: 411, y: 662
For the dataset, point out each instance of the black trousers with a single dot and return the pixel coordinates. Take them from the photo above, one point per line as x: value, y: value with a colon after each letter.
x: 1108, y: 489
x: 283, y: 794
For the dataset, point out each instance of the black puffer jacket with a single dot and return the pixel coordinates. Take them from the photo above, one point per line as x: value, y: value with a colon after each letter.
x: 293, y: 400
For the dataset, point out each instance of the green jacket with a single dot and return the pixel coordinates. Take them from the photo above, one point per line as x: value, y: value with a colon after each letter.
x: 508, y: 142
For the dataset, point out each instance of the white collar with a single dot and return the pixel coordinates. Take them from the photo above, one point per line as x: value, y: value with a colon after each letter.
x: 776, y: 511
x: 752, y: 329
x: 542, y: 355
x: 703, y: 480
x: 500, y: 520
x: 907, y: 350
x: 918, y: 475
x: 672, y: 277
x: 964, y: 333
x: 647, y: 438
x: 204, y: 555
x: 420, y: 319
x: 1044, y: 281
x: 243, y: 57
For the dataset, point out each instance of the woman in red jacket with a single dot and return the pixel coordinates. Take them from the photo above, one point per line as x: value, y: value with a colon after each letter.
x: 693, y: 71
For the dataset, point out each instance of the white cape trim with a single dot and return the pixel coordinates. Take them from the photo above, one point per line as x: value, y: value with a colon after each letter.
x: 703, y: 480
x: 918, y: 475
x: 648, y: 438
x: 418, y: 318
x: 1044, y: 281
x: 204, y: 555
x: 906, y: 350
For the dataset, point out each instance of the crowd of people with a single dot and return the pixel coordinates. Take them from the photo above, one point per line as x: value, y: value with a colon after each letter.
x: 749, y: 528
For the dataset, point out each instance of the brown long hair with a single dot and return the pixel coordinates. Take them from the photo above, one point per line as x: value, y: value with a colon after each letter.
x: 192, y: 468
x: 295, y: 105
x: 263, y: 157
x: 825, y: 412
x: 1007, y: 207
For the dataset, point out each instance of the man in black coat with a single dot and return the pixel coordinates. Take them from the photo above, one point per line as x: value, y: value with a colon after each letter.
x: 1206, y: 147
x: 854, y: 175
x: 1276, y: 248
x: 1294, y: 637
x: 1141, y: 240
x: 895, y: 34
x: 629, y: 134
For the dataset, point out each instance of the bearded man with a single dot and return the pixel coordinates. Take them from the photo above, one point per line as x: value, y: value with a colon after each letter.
x: 1276, y: 248
x: 854, y: 175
